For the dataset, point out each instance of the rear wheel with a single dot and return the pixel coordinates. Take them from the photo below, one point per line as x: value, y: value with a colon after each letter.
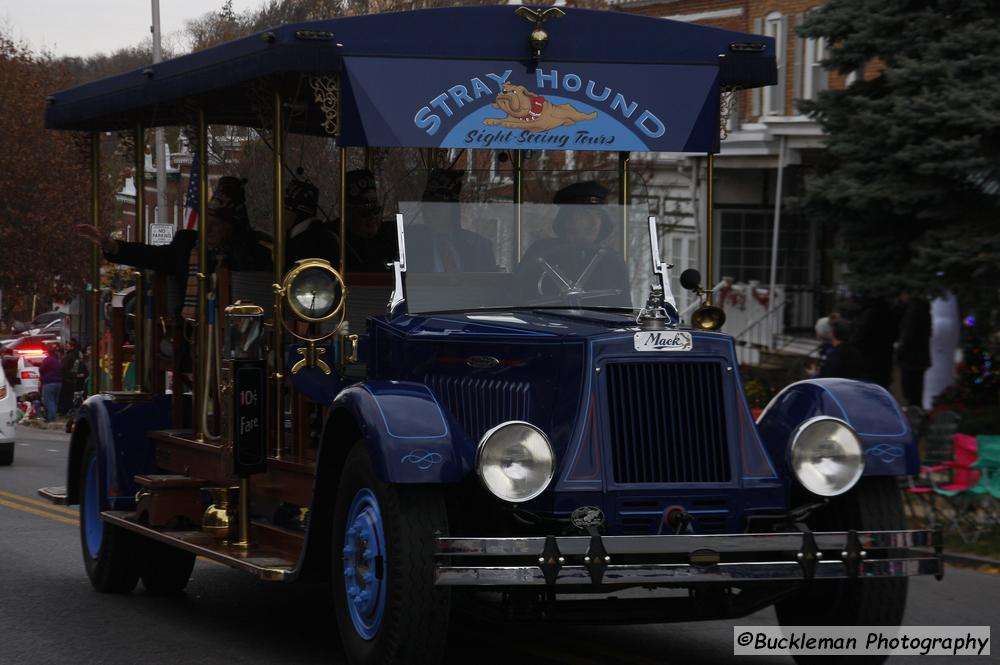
x: 874, y: 504
x: 7, y: 455
x: 165, y: 569
x: 388, y: 609
x: 111, y: 555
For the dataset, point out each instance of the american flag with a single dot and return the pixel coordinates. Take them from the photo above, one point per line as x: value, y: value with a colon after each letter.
x: 191, y: 201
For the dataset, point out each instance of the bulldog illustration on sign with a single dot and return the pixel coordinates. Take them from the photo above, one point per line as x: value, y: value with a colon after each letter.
x: 526, y: 110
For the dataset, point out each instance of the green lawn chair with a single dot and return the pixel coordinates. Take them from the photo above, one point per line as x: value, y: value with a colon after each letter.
x: 988, y: 465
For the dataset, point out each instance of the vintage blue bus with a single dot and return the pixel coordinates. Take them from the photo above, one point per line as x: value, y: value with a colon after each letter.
x: 473, y: 385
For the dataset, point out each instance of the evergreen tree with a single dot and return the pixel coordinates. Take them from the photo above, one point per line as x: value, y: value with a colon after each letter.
x: 911, y: 177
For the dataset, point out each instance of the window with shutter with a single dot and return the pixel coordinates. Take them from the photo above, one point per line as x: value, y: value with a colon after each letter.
x: 776, y: 26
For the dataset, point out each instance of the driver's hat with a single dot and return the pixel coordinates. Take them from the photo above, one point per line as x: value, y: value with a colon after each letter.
x: 581, y: 192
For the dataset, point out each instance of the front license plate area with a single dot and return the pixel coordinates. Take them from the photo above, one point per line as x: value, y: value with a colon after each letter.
x: 663, y: 340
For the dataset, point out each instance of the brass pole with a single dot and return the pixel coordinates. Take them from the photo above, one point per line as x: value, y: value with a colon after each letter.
x: 279, y: 273
x: 139, y: 326
x: 201, y: 367
x: 623, y: 199
x: 343, y: 211
x: 710, y: 229
x: 95, y: 262
x: 518, y: 195
x: 244, y: 541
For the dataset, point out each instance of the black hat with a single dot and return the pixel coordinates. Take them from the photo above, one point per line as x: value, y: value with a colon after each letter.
x: 581, y: 192
x: 301, y: 196
x: 359, y: 183
x: 229, y: 200
x: 443, y: 185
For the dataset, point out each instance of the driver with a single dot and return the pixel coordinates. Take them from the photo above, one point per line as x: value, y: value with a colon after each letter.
x: 574, y: 256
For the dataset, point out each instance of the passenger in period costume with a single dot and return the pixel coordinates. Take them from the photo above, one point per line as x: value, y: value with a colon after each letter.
x: 437, y: 242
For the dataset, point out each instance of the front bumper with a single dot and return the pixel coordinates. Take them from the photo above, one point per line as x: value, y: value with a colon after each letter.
x: 681, y: 560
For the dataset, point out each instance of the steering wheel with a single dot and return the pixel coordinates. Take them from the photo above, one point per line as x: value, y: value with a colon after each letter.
x: 575, y: 291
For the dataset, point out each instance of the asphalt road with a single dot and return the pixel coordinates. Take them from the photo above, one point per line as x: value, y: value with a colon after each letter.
x: 49, y: 614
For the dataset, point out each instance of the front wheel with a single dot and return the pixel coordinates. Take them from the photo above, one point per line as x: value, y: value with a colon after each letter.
x: 111, y: 555
x: 388, y: 609
x: 873, y: 505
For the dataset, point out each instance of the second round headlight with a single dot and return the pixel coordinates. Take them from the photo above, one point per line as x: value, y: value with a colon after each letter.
x: 515, y: 461
x: 826, y: 456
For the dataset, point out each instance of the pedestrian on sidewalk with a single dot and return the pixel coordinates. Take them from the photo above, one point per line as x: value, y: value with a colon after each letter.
x: 74, y: 373
x: 914, y: 351
x: 50, y: 376
x: 824, y: 336
x: 875, y: 330
x: 844, y: 360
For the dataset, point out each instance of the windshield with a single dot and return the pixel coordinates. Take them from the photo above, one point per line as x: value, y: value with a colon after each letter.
x: 572, y: 245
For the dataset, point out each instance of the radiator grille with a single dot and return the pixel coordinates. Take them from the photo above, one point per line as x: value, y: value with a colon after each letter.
x: 479, y: 404
x: 667, y: 422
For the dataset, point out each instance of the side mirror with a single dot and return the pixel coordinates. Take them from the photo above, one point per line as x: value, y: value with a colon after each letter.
x: 690, y: 279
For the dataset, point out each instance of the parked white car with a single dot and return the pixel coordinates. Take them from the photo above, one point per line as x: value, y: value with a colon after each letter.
x: 21, y: 357
x: 8, y: 421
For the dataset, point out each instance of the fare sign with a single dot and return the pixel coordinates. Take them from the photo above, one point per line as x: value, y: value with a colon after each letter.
x: 249, y: 431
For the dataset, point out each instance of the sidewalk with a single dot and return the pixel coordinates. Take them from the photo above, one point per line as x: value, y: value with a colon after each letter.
x: 57, y: 425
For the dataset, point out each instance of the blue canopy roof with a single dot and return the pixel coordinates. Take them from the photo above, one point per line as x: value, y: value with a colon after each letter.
x: 233, y: 82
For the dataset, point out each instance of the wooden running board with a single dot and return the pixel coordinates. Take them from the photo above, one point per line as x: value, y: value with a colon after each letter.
x: 264, y: 563
x: 56, y: 495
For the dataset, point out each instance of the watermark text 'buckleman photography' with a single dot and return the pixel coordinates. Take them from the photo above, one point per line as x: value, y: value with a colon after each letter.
x: 862, y: 640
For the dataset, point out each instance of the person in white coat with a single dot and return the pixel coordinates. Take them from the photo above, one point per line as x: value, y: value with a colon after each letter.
x: 944, y: 343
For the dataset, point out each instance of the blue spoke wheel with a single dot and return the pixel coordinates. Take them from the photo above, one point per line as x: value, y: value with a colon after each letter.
x: 111, y: 555
x: 388, y: 609
x: 364, y: 563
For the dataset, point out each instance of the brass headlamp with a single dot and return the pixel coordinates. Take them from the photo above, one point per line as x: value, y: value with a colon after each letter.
x: 315, y: 293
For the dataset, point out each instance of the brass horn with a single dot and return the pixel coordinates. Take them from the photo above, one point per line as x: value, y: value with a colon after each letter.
x: 708, y: 317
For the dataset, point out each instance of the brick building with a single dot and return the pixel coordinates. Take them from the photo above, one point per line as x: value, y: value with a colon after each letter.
x: 767, y: 135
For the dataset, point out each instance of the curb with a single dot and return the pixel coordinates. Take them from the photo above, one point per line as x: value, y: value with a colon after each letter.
x: 970, y: 560
x: 963, y: 560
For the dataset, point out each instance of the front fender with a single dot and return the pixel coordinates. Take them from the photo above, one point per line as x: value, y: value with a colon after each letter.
x: 889, y: 444
x: 120, y: 429
x: 410, y: 439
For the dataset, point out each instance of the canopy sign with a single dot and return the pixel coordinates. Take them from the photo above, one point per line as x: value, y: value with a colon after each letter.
x: 436, y: 103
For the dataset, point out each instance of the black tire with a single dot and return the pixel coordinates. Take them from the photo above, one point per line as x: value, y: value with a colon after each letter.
x: 165, y: 569
x: 111, y: 555
x: 7, y: 456
x: 413, y: 623
x: 874, y: 504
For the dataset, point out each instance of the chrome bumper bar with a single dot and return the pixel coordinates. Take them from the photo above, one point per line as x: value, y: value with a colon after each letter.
x: 604, y: 560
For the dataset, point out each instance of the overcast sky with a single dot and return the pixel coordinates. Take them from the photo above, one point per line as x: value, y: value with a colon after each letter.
x: 86, y: 27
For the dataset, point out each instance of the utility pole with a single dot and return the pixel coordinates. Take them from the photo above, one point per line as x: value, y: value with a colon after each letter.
x: 162, y: 215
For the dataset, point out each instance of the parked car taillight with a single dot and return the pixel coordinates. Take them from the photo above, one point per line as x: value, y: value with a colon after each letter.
x: 27, y: 375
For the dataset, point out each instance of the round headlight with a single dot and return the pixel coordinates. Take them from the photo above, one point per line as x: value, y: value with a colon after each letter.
x: 314, y: 291
x: 826, y: 456
x: 515, y: 461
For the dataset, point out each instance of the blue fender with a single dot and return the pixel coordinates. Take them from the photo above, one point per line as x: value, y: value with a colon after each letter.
x: 410, y: 439
x: 123, y: 448
x: 889, y: 443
